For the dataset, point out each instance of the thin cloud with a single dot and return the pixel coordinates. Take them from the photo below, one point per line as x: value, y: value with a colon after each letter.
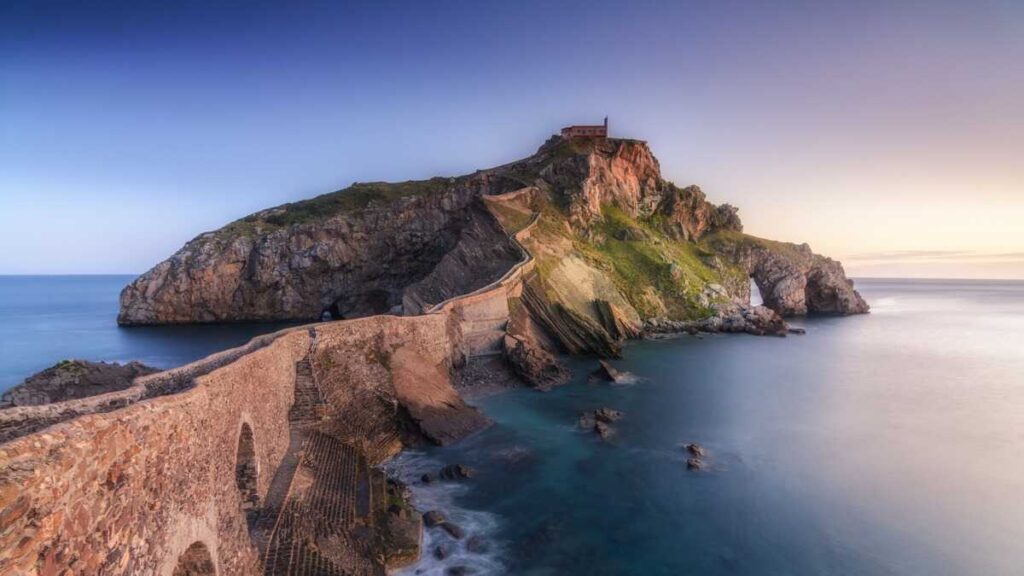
x: 936, y: 256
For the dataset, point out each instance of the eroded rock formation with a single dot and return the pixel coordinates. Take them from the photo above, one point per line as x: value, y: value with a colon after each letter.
x: 72, y: 379
x: 792, y: 280
x: 351, y: 253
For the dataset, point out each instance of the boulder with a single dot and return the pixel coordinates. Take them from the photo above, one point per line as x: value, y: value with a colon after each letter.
x: 695, y: 449
x: 606, y: 371
x: 607, y: 415
x: 433, y: 518
x: 457, y: 472
x: 603, y: 430
x: 694, y: 464
x: 453, y: 530
x: 585, y: 420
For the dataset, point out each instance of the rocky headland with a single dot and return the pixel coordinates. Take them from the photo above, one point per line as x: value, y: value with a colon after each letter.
x: 73, y: 379
x: 229, y: 461
x: 616, y: 251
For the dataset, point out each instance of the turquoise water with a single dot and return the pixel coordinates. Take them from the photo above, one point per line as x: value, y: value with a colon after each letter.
x: 876, y: 445
x: 46, y: 319
x: 881, y: 444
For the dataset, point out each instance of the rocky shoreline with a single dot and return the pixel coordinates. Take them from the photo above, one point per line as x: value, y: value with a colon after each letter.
x: 449, y: 288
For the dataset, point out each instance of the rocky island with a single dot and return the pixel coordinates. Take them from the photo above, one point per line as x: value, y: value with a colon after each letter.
x: 261, y: 459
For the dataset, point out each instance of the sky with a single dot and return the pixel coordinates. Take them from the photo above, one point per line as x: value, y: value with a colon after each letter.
x: 888, y: 135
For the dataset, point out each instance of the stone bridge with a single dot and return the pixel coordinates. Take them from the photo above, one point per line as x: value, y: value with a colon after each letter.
x: 256, y: 460
x: 183, y: 482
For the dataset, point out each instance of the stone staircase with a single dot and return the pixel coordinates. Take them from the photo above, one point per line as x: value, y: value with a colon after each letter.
x: 309, y: 408
x: 317, y: 517
x: 325, y: 526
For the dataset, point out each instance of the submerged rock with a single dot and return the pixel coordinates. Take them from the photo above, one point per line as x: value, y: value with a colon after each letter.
x: 695, y: 449
x: 457, y: 472
x: 477, y: 545
x: 694, y: 464
x: 599, y: 421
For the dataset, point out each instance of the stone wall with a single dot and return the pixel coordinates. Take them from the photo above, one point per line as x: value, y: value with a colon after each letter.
x: 21, y: 420
x: 128, y: 491
x: 129, y: 482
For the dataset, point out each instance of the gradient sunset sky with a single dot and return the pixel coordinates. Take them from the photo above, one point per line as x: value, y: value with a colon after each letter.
x: 889, y: 135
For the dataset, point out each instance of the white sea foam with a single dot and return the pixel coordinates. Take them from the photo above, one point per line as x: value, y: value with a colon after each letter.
x: 440, y: 495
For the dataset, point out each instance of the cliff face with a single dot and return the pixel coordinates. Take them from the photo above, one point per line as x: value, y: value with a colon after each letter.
x: 611, y: 237
x: 350, y: 253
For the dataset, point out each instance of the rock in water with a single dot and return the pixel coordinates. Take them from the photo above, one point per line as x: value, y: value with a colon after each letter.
x: 453, y: 530
x: 694, y: 464
x: 433, y: 518
x: 695, y: 449
x: 73, y: 379
x: 477, y: 545
x: 607, y: 415
x: 608, y: 372
x: 457, y: 472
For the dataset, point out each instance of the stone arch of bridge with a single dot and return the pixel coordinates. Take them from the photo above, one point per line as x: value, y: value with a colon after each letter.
x: 195, y: 561
x: 247, y: 467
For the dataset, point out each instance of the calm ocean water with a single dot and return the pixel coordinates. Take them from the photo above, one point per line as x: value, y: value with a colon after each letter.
x: 874, y: 445
x: 46, y: 319
x: 887, y: 444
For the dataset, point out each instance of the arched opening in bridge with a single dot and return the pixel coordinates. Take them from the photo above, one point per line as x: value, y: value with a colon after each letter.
x: 245, y: 468
x: 755, y: 293
x: 195, y: 561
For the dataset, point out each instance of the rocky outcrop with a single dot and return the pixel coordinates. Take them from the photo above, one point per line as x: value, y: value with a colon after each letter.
x: 73, y: 379
x: 482, y: 254
x: 374, y: 247
x: 792, y: 279
x: 575, y: 332
x: 388, y: 381
x: 756, y: 320
x: 530, y: 352
x: 351, y: 253
x: 686, y: 215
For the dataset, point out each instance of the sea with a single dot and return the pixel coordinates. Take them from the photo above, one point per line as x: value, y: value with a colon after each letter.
x: 884, y: 444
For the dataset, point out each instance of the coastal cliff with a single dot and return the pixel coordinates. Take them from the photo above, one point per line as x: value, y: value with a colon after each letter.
x: 615, y: 251
x: 611, y: 230
x: 231, y: 459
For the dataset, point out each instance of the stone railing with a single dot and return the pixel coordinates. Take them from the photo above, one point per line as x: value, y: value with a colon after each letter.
x: 21, y: 420
x: 512, y: 275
